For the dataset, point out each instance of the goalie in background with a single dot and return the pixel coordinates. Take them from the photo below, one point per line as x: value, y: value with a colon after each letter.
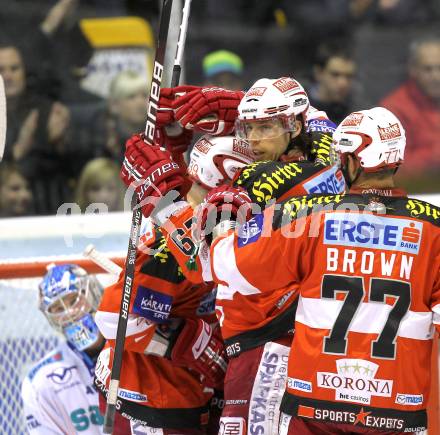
x: 58, y: 392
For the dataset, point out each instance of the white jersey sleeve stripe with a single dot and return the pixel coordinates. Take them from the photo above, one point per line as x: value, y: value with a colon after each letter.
x: 369, y: 319
x: 108, y: 324
x: 224, y: 265
x: 436, y: 311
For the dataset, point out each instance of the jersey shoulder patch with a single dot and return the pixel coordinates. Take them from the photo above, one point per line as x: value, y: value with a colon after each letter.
x: 53, y: 357
x: 162, y: 264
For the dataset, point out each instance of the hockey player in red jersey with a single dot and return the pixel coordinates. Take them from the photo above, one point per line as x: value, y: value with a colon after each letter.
x: 253, y: 338
x: 368, y: 271
x: 172, y: 334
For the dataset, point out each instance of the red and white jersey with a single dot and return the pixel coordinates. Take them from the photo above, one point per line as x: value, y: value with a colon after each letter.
x: 152, y: 389
x: 251, y: 318
x: 369, y: 288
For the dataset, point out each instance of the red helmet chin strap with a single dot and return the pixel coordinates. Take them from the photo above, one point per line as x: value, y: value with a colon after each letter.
x: 344, y: 168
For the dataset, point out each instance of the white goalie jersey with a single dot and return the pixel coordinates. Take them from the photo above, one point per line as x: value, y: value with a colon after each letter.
x: 59, y: 396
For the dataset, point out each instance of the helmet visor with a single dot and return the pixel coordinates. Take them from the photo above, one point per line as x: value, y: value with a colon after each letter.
x: 260, y: 129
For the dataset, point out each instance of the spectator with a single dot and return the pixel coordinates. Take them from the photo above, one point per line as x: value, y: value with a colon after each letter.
x: 394, y: 12
x: 417, y: 104
x: 224, y: 69
x: 15, y: 195
x: 125, y: 113
x: 99, y: 182
x: 333, y: 91
x: 36, y: 133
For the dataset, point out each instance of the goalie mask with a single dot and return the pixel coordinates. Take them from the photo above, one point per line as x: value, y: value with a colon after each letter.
x: 215, y: 160
x: 376, y: 137
x: 281, y: 100
x: 69, y: 297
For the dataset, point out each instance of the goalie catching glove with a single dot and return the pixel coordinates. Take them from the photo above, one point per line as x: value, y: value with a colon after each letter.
x: 199, y: 346
x: 153, y: 174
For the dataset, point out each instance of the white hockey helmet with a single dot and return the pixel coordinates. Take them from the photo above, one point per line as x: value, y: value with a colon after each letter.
x: 284, y: 99
x: 375, y: 136
x: 214, y: 160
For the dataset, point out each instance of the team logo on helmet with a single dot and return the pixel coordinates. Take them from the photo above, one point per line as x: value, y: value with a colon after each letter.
x: 286, y: 84
x: 389, y: 133
x: 353, y: 120
x: 203, y: 145
x: 256, y: 92
x: 239, y: 147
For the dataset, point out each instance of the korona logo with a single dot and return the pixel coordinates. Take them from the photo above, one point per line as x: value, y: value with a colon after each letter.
x: 355, y: 381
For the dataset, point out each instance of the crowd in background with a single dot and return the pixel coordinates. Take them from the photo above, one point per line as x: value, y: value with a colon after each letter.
x: 72, y: 101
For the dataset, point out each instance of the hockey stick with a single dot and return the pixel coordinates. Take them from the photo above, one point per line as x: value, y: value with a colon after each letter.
x: 150, y: 128
x: 101, y: 260
x: 135, y: 223
x: 2, y: 118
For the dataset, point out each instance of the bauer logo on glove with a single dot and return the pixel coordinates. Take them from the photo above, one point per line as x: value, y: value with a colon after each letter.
x: 153, y: 174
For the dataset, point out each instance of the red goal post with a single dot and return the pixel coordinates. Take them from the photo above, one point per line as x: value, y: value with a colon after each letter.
x: 38, y: 267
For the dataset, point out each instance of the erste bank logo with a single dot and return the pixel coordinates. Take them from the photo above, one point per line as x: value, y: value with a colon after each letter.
x: 373, y: 231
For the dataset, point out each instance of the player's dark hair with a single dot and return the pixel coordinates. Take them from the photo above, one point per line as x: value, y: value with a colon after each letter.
x: 303, y: 141
x: 328, y: 50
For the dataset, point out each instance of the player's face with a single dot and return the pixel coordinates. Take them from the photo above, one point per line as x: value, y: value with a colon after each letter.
x: 15, y: 196
x: 12, y: 71
x: 426, y: 69
x: 68, y: 308
x: 268, y: 139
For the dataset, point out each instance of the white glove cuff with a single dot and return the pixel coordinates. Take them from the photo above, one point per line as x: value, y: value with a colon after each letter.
x: 164, y: 214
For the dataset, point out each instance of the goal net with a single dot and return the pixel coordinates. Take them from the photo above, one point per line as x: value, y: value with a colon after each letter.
x: 28, y: 245
x: 25, y: 338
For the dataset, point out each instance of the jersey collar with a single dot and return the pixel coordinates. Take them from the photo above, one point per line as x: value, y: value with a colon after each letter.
x: 88, y: 361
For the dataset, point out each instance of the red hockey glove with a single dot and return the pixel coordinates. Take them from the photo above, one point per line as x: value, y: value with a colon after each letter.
x: 209, y: 110
x: 200, y: 347
x: 223, y: 203
x: 165, y: 112
x: 175, y: 144
x: 154, y: 174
